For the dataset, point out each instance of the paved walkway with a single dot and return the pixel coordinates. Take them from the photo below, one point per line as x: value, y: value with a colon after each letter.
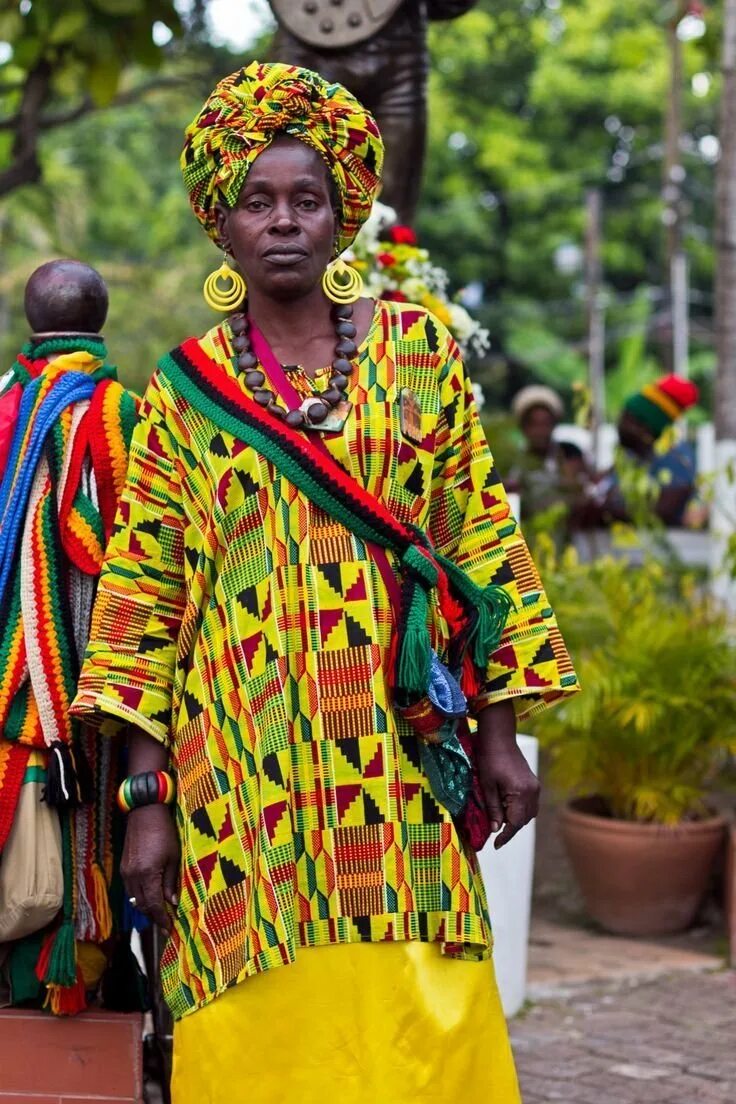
x: 667, y: 1041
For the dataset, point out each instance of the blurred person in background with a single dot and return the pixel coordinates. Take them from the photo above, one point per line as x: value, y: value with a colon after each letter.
x: 548, y: 475
x: 646, y: 417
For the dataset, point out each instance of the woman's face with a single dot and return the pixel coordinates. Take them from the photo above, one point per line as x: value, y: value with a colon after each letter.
x: 282, y: 229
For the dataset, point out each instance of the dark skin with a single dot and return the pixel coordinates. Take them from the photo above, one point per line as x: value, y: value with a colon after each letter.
x: 281, y: 233
x: 538, y: 426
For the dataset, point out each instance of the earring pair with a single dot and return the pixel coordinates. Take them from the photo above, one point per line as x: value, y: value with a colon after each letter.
x: 225, y: 289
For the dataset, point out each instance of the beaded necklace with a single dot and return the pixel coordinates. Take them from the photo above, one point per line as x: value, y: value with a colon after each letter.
x: 314, y: 411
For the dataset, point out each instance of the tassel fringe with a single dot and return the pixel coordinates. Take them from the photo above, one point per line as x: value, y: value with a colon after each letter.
x: 415, y: 648
x: 57, y: 963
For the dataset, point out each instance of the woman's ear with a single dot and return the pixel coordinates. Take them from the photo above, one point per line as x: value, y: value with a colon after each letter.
x: 221, y: 220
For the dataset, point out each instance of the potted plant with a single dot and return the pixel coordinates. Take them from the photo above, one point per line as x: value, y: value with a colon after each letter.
x: 639, y: 750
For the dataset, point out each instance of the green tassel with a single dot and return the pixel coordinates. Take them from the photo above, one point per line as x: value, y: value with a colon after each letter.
x: 62, y: 966
x: 494, y: 606
x: 412, y: 677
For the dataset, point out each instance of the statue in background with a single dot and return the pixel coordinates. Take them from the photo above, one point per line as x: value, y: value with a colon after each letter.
x: 378, y: 49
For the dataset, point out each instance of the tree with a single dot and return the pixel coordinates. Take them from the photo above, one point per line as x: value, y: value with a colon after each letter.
x: 568, y: 97
x: 66, y: 58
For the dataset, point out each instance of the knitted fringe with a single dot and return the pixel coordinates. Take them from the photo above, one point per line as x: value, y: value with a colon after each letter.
x: 57, y: 963
x: 494, y: 606
x: 101, y: 904
x: 67, y: 1000
x: 415, y: 649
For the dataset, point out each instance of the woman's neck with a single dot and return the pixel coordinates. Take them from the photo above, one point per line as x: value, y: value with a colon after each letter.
x: 298, y: 330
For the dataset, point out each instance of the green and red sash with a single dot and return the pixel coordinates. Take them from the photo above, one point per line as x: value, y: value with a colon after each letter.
x: 474, y: 614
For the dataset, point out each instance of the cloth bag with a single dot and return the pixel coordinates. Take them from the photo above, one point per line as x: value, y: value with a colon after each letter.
x: 31, y: 876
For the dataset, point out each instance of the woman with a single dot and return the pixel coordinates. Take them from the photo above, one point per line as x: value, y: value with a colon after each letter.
x: 249, y: 636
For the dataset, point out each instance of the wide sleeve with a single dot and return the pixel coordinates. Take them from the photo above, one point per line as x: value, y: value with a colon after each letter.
x: 471, y: 523
x: 130, y: 662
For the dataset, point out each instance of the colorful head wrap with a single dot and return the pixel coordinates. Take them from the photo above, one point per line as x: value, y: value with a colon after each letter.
x: 658, y: 404
x: 248, y: 109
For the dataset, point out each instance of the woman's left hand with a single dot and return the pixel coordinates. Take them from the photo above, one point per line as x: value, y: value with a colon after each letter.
x: 510, y: 787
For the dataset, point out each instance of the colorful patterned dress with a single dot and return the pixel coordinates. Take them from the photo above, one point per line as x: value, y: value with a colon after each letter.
x: 248, y: 631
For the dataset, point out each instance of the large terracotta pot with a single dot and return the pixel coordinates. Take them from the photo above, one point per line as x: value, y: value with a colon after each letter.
x: 640, y: 879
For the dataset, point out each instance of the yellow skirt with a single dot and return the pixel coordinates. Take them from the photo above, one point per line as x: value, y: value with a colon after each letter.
x: 367, y: 1023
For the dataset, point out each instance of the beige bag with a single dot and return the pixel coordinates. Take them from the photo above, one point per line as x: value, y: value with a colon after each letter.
x: 31, y: 875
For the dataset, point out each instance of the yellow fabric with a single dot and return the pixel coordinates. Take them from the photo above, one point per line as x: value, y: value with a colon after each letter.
x: 364, y: 1023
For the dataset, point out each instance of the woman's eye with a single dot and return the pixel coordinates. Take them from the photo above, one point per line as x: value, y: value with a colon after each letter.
x: 308, y: 204
x: 256, y: 205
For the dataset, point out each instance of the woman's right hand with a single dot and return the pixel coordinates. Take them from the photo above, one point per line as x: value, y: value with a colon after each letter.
x: 150, y: 863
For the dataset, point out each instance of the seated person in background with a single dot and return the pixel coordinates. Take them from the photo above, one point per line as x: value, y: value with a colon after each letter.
x: 546, y: 473
x: 644, y: 418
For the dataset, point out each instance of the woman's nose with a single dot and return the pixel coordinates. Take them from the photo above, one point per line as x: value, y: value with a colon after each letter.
x: 283, y: 221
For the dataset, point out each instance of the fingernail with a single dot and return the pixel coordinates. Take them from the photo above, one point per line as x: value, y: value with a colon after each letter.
x: 174, y: 900
x: 495, y: 826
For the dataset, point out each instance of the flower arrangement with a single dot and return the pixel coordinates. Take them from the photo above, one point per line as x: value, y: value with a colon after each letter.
x: 394, y: 267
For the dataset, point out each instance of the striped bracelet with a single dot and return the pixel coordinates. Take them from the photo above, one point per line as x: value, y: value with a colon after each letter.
x: 149, y: 788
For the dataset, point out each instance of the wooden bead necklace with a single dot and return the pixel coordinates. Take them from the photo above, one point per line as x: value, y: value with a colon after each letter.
x: 315, y: 408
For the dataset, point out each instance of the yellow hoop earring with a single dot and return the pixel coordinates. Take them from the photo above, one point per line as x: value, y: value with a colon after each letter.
x: 224, y: 299
x: 341, y: 283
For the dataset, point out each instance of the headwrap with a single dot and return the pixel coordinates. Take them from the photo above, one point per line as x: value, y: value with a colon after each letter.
x: 536, y: 395
x: 248, y: 109
x: 658, y: 404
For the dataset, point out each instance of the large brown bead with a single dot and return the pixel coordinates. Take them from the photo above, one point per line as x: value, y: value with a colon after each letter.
x: 331, y: 395
x: 341, y: 364
x: 345, y: 329
x: 263, y: 397
x: 346, y: 348
x: 295, y: 419
x: 254, y: 379
x: 277, y: 411
x: 240, y: 343
x: 247, y: 361
x: 342, y: 311
x: 340, y: 382
x: 317, y: 413
x: 238, y: 324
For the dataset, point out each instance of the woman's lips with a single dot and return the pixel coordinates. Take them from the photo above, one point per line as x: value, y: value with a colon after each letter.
x: 285, y: 257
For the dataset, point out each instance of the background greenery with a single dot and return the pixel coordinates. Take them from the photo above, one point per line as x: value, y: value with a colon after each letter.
x: 532, y: 102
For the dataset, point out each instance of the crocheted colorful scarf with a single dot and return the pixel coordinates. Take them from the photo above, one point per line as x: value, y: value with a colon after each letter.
x: 64, y: 471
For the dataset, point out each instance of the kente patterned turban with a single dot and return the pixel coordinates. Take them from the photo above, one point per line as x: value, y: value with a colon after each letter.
x: 248, y: 109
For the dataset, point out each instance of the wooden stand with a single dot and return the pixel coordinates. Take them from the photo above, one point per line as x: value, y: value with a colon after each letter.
x: 96, y: 1056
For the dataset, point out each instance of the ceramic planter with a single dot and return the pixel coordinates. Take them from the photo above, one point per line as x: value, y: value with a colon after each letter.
x: 640, y: 879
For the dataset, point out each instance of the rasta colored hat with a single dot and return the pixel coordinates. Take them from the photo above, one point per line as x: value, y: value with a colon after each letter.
x: 248, y: 109
x: 536, y: 394
x: 659, y: 404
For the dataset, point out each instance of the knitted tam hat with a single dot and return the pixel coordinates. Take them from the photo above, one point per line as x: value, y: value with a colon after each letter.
x: 250, y: 108
x: 659, y: 404
x: 536, y: 394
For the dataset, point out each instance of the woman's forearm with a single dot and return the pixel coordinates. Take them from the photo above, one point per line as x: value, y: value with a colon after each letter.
x: 145, y: 753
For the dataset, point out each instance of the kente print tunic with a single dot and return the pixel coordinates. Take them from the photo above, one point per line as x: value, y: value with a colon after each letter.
x: 246, y: 630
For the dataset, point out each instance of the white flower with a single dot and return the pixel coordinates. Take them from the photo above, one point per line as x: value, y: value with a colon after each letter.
x: 480, y: 399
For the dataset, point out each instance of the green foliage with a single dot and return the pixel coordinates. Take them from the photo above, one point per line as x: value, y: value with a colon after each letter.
x: 85, y: 43
x: 656, y: 720
x: 564, y: 96
x: 530, y: 102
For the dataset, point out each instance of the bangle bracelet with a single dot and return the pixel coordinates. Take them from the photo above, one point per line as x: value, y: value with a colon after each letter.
x: 149, y: 788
